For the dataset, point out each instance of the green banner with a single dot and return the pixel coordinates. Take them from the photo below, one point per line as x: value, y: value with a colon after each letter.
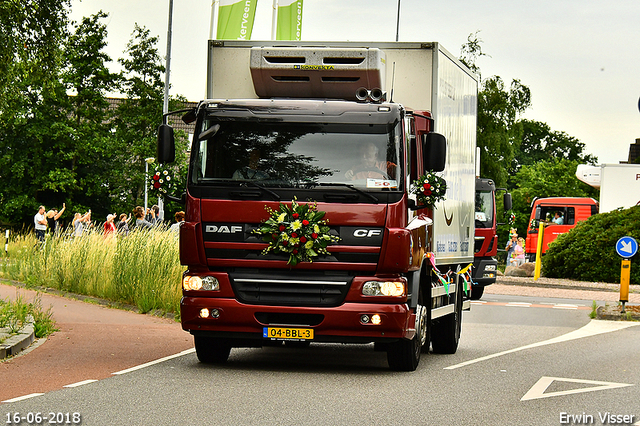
x: 289, y: 20
x: 235, y: 19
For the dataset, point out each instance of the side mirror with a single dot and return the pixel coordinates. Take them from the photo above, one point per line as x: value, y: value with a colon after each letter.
x: 434, y: 152
x: 166, y: 144
x: 507, y: 202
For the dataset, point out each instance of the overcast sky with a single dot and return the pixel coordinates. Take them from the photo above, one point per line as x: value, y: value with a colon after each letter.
x: 581, y: 59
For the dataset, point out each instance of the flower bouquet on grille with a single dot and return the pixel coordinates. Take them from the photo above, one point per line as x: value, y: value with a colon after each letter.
x: 297, y: 230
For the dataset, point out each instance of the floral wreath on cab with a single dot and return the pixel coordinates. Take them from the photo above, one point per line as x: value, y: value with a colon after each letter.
x: 429, y: 189
x: 161, y: 181
x: 297, y: 230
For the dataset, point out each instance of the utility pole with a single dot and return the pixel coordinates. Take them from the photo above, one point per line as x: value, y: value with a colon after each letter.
x: 398, y: 22
x: 165, y: 107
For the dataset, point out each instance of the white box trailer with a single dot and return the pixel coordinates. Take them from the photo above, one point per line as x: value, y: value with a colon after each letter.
x: 420, y: 76
x: 619, y: 184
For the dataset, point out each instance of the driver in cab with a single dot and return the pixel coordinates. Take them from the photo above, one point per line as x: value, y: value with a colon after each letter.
x: 370, y: 166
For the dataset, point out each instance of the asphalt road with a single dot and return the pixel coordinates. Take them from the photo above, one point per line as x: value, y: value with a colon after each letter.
x: 522, y: 360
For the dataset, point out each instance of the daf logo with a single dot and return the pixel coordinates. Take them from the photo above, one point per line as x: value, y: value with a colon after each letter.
x: 223, y: 229
x: 366, y: 233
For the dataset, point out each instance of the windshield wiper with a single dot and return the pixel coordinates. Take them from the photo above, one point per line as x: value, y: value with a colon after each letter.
x: 249, y: 183
x: 346, y: 185
x: 252, y: 183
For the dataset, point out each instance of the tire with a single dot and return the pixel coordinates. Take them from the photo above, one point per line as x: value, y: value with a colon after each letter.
x: 445, y: 333
x: 404, y: 355
x: 212, y: 351
x: 476, y: 292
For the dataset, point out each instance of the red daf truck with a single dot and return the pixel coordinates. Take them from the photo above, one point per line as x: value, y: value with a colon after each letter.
x: 301, y: 224
x: 485, y: 264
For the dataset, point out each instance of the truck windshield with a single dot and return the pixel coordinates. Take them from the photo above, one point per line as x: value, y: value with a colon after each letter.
x: 277, y: 154
x: 484, y: 209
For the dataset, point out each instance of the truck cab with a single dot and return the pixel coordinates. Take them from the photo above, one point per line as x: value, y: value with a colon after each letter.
x: 560, y: 215
x: 485, y: 264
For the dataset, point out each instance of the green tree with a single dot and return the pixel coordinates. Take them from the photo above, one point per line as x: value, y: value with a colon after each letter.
x: 498, y: 131
x: 32, y: 100
x: 82, y: 158
x: 540, y: 143
x: 138, y: 116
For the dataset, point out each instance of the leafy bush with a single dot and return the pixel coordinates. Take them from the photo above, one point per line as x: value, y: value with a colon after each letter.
x: 588, y: 252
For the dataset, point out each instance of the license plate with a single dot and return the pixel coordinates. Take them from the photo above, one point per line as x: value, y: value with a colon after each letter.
x: 281, y: 333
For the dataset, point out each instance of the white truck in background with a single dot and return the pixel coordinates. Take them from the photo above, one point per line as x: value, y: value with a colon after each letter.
x: 619, y: 184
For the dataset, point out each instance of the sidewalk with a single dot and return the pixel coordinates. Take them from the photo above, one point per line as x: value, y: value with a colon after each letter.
x: 606, y: 295
x: 93, y: 342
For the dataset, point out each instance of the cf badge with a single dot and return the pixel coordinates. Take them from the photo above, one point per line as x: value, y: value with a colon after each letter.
x: 366, y: 233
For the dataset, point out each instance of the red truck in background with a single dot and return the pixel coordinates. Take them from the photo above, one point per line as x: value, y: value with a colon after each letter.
x: 485, y: 264
x: 293, y: 136
x: 569, y: 210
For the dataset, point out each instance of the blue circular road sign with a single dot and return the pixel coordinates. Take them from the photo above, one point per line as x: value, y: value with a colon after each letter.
x: 627, y: 247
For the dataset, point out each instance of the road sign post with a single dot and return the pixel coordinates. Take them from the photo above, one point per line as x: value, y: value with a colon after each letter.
x: 626, y: 247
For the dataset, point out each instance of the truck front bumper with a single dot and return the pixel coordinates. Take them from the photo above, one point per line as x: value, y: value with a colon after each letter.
x: 341, y: 324
x: 484, y: 271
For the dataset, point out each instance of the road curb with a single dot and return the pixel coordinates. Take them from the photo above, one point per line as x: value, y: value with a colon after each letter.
x: 613, y: 313
x: 558, y: 284
x: 16, y: 343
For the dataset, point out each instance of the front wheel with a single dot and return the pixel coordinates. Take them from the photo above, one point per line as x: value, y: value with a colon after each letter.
x: 404, y: 355
x: 212, y: 351
x: 476, y: 292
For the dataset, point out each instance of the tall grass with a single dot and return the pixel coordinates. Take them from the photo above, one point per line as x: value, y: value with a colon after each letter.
x: 141, y: 269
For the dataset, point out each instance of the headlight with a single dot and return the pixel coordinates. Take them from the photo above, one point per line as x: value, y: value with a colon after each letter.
x: 199, y: 283
x: 383, y: 288
x: 490, y: 268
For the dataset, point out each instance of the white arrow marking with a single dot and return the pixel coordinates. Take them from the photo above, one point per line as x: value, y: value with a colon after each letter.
x: 626, y: 246
x: 591, y: 329
x: 537, y: 391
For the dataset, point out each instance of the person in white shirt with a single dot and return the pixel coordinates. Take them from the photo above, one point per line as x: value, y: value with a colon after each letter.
x: 40, y: 223
x: 179, y: 216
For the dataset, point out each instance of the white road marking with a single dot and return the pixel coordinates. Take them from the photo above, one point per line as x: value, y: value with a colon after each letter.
x: 519, y: 304
x: 84, y: 382
x: 22, y: 398
x: 157, y: 361
x: 537, y: 391
x: 564, y: 306
x: 593, y: 328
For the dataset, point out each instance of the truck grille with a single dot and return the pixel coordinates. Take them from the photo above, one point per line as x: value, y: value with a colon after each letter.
x: 297, y: 290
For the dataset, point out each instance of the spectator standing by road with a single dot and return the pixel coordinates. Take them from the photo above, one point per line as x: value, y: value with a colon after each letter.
x: 123, y: 225
x: 80, y: 222
x: 40, y: 223
x: 141, y: 222
x: 52, y: 219
x: 517, y: 258
x: 109, y: 226
x: 179, y: 216
x: 153, y: 215
x: 511, y: 244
